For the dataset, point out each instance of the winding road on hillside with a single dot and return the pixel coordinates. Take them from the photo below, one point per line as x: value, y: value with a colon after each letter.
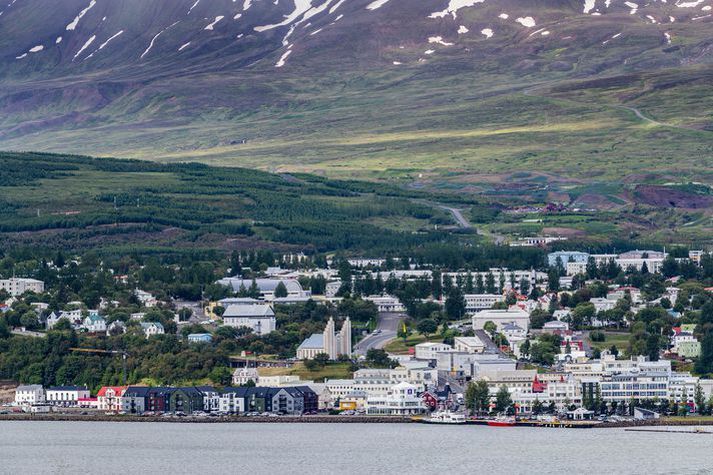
x: 637, y: 112
x: 641, y: 116
x: 458, y: 216
x: 465, y: 224
x: 386, y: 330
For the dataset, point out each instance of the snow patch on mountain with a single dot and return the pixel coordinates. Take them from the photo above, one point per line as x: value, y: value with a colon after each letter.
x: 589, y: 5
x: 692, y: 4
x: 462, y: 30
x: 503, y: 16
x: 527, y: 21
x: 376, y: 4
x: 193, y: 6
x: 215, y: 22
x: 337, y: 5
x: 612, y: 38
x: 73, y: 25
x: 101, y: 47
x: 634, y: 7
x: 58, y: 40
x: 453, y: 7
x: 87, y: 44
x: 302, y: 8
x: 487, y: 32
x: 153, y: 40
x: 439, y: 40
x: 184, y: 46
x: 281, y: 62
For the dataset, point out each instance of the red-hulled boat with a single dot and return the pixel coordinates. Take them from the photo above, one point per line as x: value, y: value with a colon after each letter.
x: 502, y: 422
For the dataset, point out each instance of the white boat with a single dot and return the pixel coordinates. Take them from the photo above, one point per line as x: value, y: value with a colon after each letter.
x: 445, y: 417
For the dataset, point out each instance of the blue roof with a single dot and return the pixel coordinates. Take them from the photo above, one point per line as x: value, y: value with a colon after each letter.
x: 315, y: 342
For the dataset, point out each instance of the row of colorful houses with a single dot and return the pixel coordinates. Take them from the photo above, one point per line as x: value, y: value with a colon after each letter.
x: 295, y: 400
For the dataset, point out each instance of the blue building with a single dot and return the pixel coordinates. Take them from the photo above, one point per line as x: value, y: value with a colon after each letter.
x: 200, y: 338
x: 565, y: 257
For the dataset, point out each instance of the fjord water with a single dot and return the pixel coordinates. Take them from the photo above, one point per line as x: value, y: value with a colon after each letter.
x: 108, y: 448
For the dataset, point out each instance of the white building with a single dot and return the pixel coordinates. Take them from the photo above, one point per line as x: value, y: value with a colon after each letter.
x: 468, y: 344
x: 477, y: 302
x: 332, y: 288
x: 501, y: 318
x: 94, y: 324
x: 403, y: 399
x: 16, y: 286
x: 259, y: 318
x: 241, y: 376
x: 339, y: 388
x: 470, y: 365
x: 429, y: 351
x: 386, y: 304
x: 147, y: 300
x: 266, y: 287
x: 30, y: 394
x: 67, y: 396
x: 152, y: 329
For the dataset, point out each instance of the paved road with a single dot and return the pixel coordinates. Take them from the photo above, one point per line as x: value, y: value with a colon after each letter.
x: 28, y: 333
x: 386, y: 330
x: 490, y: 346
x: 465, y: 224
x: 458, y: 216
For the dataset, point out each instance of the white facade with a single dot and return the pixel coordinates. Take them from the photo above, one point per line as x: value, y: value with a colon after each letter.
x: 403, y: 399
x: 242, y: 376
x: 94, y: 324
x: 231, y: 403
x: 16, y: 287
x: 429, y: 351
x: 477, y: 302
x: 468, y: 344
x: 152, y: 329
x: 30, y: 394
x: 387, y: 304
x: 501, y: 318
x: 66, y: 395
x: 259, y: 318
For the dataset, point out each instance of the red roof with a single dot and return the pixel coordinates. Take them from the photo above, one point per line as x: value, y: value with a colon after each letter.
x: 118, y: 390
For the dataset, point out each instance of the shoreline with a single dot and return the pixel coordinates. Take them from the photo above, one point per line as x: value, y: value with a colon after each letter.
x: 328, y: 420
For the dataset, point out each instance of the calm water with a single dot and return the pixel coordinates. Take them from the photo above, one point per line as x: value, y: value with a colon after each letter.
x: 132, y: 448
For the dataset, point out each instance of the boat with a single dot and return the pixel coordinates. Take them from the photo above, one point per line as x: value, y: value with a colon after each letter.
x: 445, y: 417
x: 502, y: 422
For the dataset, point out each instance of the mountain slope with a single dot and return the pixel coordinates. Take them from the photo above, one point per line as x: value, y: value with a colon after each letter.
x: 483, y: 88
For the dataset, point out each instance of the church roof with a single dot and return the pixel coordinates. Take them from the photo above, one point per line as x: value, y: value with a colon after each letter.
x: 314, y: 342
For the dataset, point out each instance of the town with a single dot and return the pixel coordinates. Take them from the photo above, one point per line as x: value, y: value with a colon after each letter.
x: 582, y: 337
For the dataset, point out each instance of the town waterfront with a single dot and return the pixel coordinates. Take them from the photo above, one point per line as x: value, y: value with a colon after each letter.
x: 83, y: 447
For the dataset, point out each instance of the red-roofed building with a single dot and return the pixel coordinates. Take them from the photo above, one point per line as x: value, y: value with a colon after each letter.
x: 538, y: 386
x: 109, y: 398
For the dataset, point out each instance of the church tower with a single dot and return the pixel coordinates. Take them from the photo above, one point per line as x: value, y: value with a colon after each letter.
x: 345, y: 338
x: 330, y: 340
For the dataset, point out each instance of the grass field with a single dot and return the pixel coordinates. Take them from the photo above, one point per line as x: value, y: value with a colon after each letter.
x: 401, y: 346
x: 620, y: 340
x: 330, y: 371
